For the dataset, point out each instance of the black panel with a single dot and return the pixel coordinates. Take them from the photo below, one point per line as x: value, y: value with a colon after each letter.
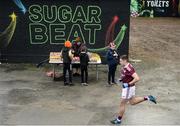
x: 23, y: 48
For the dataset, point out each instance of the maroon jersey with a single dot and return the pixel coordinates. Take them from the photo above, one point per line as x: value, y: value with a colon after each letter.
x: 126, y: 73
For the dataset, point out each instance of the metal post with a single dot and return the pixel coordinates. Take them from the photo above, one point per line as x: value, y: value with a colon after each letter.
x: 97, y: 74
x: 54, y: 72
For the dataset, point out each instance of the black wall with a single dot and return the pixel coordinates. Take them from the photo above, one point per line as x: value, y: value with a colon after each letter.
x: 22, y: 48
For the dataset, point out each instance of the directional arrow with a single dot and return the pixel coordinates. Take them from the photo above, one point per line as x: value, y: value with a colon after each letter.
x: 118, y: 40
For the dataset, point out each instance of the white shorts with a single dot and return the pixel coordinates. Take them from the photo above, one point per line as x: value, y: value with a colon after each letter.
x: 128, y: 93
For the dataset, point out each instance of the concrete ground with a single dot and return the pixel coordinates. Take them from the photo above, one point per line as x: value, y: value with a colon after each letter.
x: 27, y: 96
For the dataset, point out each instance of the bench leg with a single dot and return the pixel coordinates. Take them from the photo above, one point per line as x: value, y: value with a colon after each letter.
x: 53, y: 72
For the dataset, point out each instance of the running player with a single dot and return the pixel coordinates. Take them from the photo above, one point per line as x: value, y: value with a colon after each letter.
x: 128, y: 78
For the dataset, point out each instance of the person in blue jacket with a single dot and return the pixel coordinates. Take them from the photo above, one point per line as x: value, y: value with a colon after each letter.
x: 112, y: 61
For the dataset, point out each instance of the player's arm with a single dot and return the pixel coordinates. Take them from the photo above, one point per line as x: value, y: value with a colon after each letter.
x: 135, y: 78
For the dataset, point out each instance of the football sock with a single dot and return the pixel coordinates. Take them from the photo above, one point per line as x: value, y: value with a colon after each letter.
x: 146, y: 98
x: 119, y: 118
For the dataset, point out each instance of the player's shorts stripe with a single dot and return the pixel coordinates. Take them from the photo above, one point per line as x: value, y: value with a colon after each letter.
x: 127, y: 94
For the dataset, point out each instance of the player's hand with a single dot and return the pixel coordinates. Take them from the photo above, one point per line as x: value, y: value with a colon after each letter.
x: 120, y: 80
x: 125, y: 85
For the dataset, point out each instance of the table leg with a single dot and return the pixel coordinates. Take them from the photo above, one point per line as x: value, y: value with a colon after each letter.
x: 97, y: 74
x: 53, y: 72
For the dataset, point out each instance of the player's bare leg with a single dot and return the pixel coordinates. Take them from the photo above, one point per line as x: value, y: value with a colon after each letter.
x: 121, y: 112
x: 137, y: 100
x: 133, y: 101
x: 122, y: 107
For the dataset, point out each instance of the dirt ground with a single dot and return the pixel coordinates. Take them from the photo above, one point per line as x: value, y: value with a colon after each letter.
x: 27, y: 96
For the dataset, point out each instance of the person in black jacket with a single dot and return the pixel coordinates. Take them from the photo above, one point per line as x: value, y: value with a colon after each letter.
x: 67, y: 58
x: 84, y: 60
x: 76, y: 47
x: 112, y: 60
